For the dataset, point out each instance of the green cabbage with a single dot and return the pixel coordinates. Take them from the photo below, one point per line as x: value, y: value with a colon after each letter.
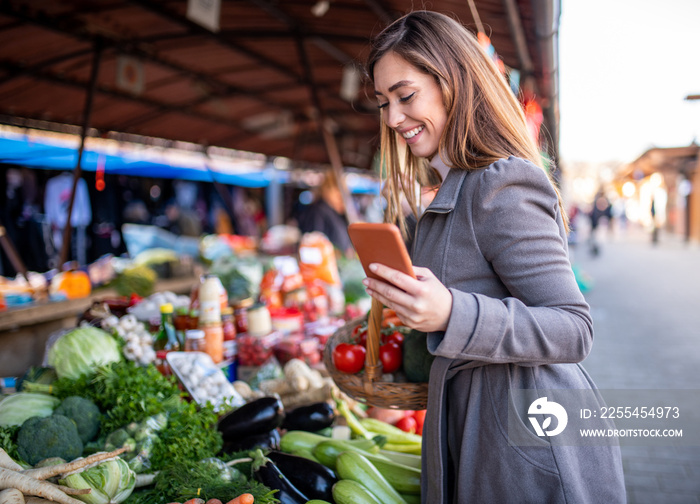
x: 16, y: 408
x: 111, y: 481
x: 81, y: 350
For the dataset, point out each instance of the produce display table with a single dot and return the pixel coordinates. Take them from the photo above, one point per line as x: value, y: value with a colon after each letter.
x: 24, y: 331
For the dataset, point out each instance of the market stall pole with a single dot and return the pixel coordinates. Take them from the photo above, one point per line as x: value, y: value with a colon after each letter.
x: 328, y: 138
x: 77, y: 172
x: 9, y: 248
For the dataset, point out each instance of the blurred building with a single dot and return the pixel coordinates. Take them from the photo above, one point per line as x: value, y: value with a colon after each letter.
x: 663, y: 186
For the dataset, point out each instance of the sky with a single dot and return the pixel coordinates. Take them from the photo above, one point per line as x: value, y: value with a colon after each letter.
x: 625, y: 67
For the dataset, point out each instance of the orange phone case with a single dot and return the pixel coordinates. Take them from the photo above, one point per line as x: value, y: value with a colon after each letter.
x: 380, y: 243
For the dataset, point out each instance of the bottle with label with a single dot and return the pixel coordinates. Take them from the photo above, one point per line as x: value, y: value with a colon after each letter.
x: 212, y: 296
x: 180, y: 320
x: 166, y: 339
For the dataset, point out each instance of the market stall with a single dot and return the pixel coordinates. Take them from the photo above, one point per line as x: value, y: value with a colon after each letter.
x: 235, y: 364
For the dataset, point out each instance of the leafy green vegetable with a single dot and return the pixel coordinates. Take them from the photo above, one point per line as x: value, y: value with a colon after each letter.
x: 125, y: 392
x: 139, y: 438
x: 81, y: 350
x: 8, y: 440
x: 54, y: 436
x: 111, y: 482
x: 36, y: 374
x: 16, y: 408
x: 84, y: 413
x: 191, y: 435
x: 190, y: 478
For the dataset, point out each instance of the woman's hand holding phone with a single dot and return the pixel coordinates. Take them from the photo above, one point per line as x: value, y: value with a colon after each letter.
x: 419, y: 299
x: 422, y: 303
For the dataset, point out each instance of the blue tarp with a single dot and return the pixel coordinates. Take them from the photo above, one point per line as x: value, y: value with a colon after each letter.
x: 50, y: 154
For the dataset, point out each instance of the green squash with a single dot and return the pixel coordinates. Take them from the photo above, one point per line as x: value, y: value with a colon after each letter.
x: 416, y: 358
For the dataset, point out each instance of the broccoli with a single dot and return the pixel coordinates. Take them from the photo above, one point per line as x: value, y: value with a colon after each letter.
x: 84, y: 413
x: 54, y: 436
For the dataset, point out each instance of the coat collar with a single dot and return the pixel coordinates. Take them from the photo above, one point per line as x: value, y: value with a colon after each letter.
x: 446, y: 197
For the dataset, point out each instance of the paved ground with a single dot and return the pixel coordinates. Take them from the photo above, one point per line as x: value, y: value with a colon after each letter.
x: 645, y: 301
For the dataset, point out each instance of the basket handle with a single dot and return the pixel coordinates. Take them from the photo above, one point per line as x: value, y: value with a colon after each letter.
x: 373, y: 366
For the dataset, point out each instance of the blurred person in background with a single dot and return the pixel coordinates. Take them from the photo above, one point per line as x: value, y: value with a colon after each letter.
x: 326, y: 214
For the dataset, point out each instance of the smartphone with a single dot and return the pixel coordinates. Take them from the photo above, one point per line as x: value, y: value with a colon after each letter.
x: 380, y: 243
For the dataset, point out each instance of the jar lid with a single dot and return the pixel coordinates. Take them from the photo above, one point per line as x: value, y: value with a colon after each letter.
x: 243, y: 303
x: 194, y: 334
x: 166, y: 308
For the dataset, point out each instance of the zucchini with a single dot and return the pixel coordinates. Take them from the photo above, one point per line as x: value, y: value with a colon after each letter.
x: 327, y: 451
x: 411, y: 448
x: 351, y: 492
x: 404, y: 479
x: 296, y: 440
x: 393, y: 434
x: 410, y: 499
x: 355, y: 466
x: 407, y: 459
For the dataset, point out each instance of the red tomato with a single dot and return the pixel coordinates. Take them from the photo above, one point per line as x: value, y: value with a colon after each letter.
x: 396, y: 337
x: 391, y: 356
x: 349, y: 358
x: 420, y: 419
x: 359, y: 335
x: 407, y: 424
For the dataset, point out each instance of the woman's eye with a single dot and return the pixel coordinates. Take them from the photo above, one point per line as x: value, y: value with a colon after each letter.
x: 406, y: 98
x: 382, y: 105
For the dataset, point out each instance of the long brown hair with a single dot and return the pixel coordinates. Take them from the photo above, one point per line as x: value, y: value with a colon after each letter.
x: 485, y: 121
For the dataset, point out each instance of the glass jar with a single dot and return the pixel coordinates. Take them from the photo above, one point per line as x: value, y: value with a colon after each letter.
x: 195, y: 341
x: 228, y: 323
x: 240, y: 314
x: 259, y: 320
x: 214, y: 338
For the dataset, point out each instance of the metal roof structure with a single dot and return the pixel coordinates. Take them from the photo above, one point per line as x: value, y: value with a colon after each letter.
x: 263, y: 82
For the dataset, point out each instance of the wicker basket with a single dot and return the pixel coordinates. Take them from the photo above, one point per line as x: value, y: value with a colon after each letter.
x: 367, y: 387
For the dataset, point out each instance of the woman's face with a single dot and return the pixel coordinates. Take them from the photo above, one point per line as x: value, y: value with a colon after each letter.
x: 411, y: 103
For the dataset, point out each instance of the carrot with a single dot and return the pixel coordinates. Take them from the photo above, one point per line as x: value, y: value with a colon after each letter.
x: 245, y: 498
x: 31, y: 486
x: 11, y: 496
x: 195, y: 500
x: 214, y: 501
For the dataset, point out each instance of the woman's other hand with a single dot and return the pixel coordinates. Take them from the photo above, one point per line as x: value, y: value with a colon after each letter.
x: 422, y: 303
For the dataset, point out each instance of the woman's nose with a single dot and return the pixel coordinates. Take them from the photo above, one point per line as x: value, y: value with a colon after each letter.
x: 393, y: 117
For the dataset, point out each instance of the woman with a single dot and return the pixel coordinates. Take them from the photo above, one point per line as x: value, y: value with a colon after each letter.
x: 495, y: 290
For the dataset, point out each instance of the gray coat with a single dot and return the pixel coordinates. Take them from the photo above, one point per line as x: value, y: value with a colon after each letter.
x: 496, y: 239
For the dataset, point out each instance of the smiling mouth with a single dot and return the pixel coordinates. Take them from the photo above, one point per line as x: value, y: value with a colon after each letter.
x: 413, y: 132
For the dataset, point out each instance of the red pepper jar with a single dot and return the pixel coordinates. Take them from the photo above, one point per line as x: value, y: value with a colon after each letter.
x: 228, y: 324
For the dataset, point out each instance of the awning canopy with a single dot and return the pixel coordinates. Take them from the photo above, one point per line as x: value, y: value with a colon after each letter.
x: 256, y: 84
